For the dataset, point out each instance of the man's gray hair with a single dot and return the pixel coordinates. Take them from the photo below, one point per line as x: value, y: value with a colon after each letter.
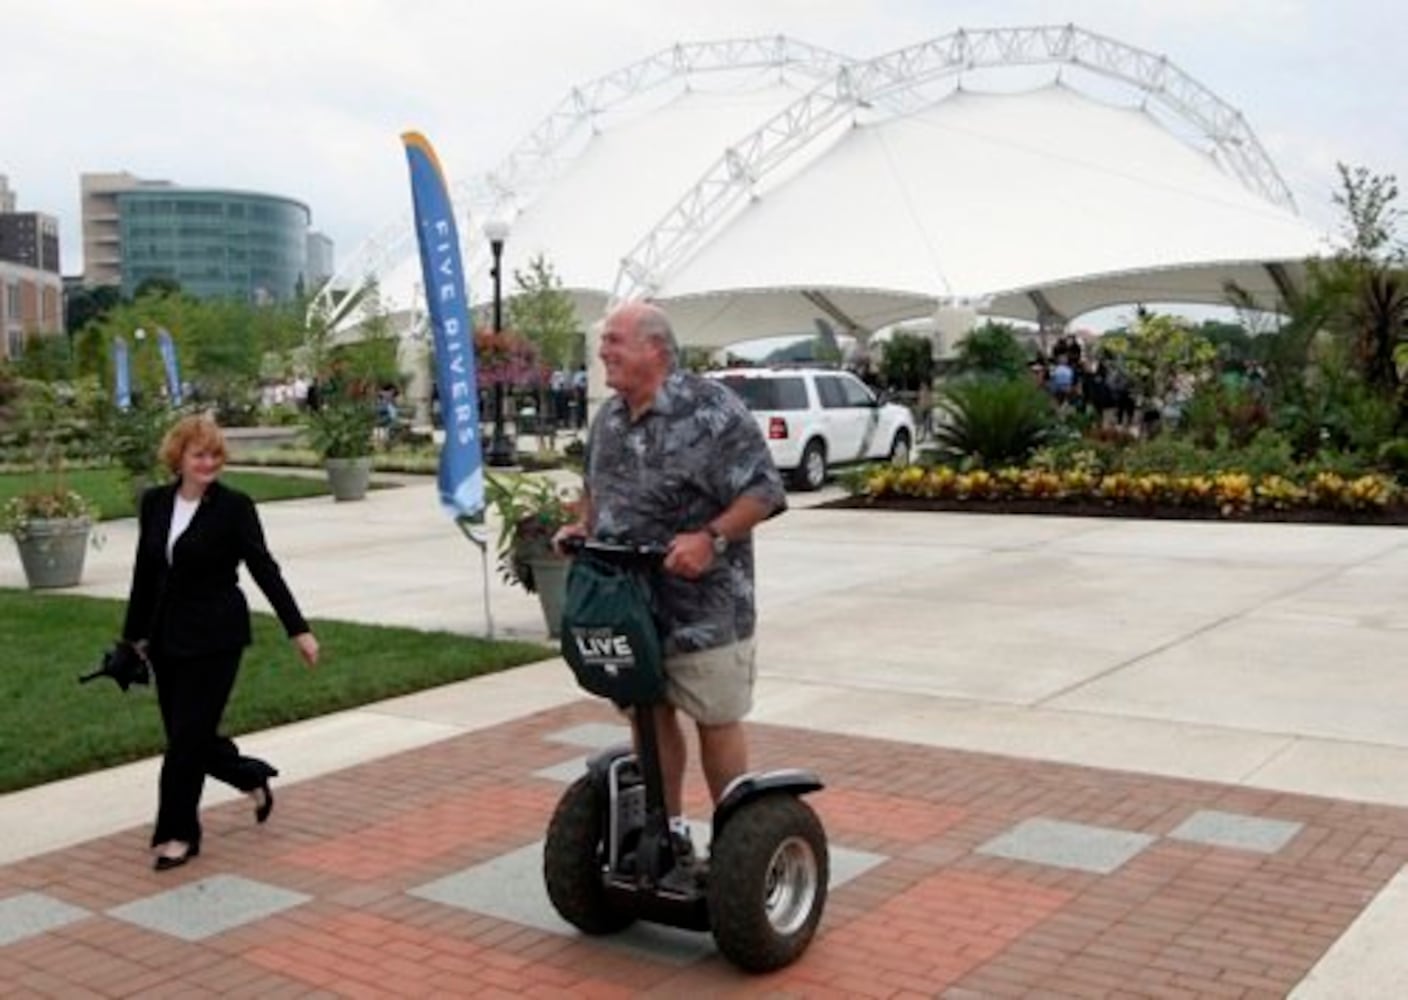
x: 653, y: 323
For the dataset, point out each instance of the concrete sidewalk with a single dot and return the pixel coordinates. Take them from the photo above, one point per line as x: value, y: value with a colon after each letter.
x: 1262, y: 657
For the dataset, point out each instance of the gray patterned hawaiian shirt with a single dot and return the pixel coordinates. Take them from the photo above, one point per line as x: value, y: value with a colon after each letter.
x: 679, y: 465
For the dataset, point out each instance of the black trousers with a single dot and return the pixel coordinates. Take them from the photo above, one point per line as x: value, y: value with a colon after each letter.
x: 193, y: 692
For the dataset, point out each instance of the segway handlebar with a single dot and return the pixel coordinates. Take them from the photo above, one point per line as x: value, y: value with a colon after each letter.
x: 615, y: 552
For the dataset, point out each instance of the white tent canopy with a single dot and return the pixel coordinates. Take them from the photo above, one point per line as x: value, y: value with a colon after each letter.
x: 988, y: 197
x: 751, y: 199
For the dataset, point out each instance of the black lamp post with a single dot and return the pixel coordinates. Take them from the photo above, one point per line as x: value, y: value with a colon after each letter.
x: 500, y: 452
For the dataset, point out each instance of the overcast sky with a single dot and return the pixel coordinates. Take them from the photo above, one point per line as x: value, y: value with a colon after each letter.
x: 307, y: 98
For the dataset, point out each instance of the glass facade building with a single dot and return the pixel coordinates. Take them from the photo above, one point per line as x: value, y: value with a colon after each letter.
x: 216, y: 244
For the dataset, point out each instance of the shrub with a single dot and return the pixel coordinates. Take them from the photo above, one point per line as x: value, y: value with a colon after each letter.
x: 993, y: 422
x: 132, y: 437
x: 1218, y: 413
x: 1267, y: 454
x: 1393, y: 456
x: 991, y: 350
x: 1175, y: 456
x: 1334, y: 410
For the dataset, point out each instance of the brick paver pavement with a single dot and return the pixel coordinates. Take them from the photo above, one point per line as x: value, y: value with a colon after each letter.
x: 996, y: 878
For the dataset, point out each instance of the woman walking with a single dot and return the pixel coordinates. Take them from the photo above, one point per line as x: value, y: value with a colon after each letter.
x: 187, y: 612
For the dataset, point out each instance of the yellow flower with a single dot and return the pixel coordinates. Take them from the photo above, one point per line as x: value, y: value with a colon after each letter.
x: 1278, y: 493
x: 977, y: 484
x: 1042, y: 485
x: 1233, y: 491
x: 880, y: 483
x: 941, y: 483
x: 910, y: 481
x: 1371, y: 491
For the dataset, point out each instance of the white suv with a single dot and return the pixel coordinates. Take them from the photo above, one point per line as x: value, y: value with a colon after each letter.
x: 815, y: 418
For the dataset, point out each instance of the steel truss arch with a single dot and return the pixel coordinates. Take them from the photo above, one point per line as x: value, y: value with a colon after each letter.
x: 895, y: 81
x: 539, y: 158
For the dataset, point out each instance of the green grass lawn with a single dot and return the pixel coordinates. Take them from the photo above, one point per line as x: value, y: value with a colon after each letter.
x: 109, y: 488
x: 50, y: 727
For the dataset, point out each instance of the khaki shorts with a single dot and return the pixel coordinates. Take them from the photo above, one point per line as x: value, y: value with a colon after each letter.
x: 713, y: 686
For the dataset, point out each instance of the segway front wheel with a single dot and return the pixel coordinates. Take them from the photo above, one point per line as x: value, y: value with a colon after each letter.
x: 574, y: 861
x: 768, y: 873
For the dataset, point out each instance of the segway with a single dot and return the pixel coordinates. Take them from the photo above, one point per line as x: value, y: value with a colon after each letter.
x: 608, y: 859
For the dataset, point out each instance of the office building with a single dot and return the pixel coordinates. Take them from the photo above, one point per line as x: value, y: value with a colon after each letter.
x: 31, y: 239
x: 31, y: 290
x: 31, y: 303
x: 320, y: 260
x: 215, y: 243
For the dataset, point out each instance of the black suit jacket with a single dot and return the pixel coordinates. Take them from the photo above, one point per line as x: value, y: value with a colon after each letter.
x: 193, y: 605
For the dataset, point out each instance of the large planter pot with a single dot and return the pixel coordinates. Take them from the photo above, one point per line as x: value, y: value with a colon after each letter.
x: 52, y: 551
x: 550, y: 581
x: 349, y: 477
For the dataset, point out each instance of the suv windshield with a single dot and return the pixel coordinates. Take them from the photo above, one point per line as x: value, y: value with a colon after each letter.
x: 769, y: 393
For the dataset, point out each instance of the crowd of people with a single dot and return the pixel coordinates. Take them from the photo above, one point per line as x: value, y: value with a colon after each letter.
x: 1085, y: 381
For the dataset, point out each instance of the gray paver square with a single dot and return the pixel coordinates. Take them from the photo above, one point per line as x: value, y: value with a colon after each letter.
x: 847, y: 864
x: 32, y: 913
x: 1235, y: 830
x: 510, y: 887
x: 566, y: 772
x: 211, y: 906
x: 1067, y: 845
x: 592, y: 735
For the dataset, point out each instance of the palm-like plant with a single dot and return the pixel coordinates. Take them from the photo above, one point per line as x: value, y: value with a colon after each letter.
x: 993, y: 422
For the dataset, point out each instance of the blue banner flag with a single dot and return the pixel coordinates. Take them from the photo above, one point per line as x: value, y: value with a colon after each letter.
x: 446, y: 297
x: 168, y: 361
x: 121, y: 374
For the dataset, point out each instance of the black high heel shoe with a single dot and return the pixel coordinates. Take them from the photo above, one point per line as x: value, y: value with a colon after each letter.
x: 164, y: 863
x: 263, y: 809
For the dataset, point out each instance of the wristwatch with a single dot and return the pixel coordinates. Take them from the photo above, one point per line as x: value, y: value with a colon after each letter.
x: 717, y: 539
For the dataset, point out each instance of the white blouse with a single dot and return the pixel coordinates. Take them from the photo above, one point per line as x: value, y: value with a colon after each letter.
x: 181, y: 516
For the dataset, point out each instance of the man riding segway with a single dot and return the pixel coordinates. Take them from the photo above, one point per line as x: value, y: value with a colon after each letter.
x: 676, y: 465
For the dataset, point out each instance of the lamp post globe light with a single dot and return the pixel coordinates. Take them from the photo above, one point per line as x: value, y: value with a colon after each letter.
x: 500, y: 450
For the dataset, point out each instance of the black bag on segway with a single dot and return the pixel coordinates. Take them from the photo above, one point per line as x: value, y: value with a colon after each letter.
x: 609, y: 638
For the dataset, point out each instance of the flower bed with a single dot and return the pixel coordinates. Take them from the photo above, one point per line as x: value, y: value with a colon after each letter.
x: 1324, y: 497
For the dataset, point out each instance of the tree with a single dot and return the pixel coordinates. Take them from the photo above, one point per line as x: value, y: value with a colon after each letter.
x: 907, y: 362
x: 157, y: 284
x: 220, y: 343
x: 1231, y: 340
x: 45, y: 358
x: 544, y: 313
x: 1158, y: 353
x: 1365, y: 286
x: 991, y: 349
x: 86, y: 305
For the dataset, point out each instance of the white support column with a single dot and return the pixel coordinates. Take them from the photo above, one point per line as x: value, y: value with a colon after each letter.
x: 953, y: 320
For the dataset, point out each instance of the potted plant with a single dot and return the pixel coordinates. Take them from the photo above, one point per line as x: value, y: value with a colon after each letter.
x: 341, y: 431
x: 531, y: 509
x: 50, y: 523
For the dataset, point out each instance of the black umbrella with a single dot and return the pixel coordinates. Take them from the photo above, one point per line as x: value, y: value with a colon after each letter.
x: 124, y: 663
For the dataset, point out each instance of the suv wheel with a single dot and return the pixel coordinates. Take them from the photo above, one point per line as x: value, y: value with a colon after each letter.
x: 899, y: 450
x: 811, y: 473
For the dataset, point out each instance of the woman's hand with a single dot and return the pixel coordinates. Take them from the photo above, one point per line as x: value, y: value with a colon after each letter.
x: 307, y: 646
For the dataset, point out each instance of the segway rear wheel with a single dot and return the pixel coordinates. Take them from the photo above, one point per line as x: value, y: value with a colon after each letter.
x: 574, y: 860
x: 768, y: 873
